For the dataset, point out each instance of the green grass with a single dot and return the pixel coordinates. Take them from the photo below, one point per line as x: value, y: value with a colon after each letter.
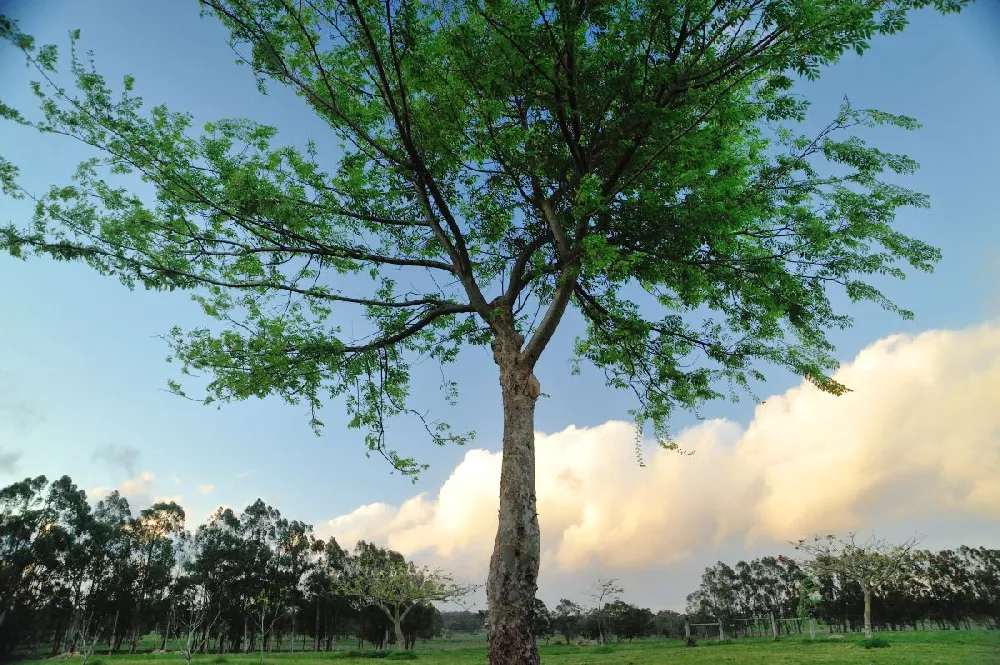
x: 907, y: 648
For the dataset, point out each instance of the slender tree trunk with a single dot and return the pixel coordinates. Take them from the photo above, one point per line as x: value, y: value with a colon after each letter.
x: 316, y: 632
x: 513, y: 578
x: 868, y: 613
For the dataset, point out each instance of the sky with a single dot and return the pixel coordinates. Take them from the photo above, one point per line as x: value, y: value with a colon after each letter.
x: 914, y: 449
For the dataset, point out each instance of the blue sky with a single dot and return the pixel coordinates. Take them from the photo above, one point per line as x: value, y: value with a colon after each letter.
x: 82, y: 369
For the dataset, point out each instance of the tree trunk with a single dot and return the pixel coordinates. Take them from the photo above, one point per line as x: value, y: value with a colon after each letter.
x: 868, y: 613
x: 513, y: 578
x: 316, y: 632
x: 397, y: 625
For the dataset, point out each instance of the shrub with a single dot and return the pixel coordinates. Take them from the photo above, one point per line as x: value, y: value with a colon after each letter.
x: 387, y: 655
x: 220, y: 660
x: 874, y: 643
x: 690, y: 641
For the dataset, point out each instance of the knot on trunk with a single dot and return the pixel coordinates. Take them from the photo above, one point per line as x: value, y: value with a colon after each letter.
x: 506, y: 348
x: 534, y: 388
x: 518, y: 381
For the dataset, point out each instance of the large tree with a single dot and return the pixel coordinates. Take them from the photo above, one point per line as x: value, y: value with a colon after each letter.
x: 496, y: 164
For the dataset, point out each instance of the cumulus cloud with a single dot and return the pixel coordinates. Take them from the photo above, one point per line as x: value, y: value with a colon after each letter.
x: 206, y: 489
x: 918, y: 438
x: 138, y: 490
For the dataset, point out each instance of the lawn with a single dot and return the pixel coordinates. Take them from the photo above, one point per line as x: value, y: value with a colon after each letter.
x: 923, y: 647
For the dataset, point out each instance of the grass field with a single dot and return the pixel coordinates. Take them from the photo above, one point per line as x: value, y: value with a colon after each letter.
x: 916, y: 647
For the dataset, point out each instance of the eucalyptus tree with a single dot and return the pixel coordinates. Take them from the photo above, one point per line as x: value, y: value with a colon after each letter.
x: 329, y: 608
x: 154, y: 530
x: 496, y: 164
x: 39, y: 523
x: 542, y: 621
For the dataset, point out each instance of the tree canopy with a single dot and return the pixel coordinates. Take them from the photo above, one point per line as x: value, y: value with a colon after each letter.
x: 493, y: 160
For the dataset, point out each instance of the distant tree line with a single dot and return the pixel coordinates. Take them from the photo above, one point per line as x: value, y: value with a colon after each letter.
x: 72, y: 575
x: 606, y: 616
x: 618, y: 619
x: 949, y: 589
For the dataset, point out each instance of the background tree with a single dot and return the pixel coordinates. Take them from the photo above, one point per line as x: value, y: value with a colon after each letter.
x: 542, y: 622
x: 194, y: 619
x: 38, y: 525
x: 603, y: 592
x: 716, y: 597
x: 266, y: 609
x: 627, y: 621
x: 384, y: 579
x: 873, y: 564
x: 668, y: 623
x: 423, y: 621
x: 502, y: 158
x: 463, y: 621
x: 566, y: 619
x: 153, y: 530
x: 809, y: 600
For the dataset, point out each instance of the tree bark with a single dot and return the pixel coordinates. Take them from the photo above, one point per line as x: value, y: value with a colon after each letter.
x: 397, y: 625
x: 868, y: 612
x: 513, y: 578
x: 316, y: 632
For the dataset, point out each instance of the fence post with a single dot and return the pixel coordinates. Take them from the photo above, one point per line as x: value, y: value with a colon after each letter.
x: 687, y: 629
x: 812, y: 629
x: 774, y: 626
x: 722, y: 634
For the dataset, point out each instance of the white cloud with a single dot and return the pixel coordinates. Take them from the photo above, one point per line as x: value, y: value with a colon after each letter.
x: 168, y: 498
x: 206, y: 489
x: 137, y: 490
x: 919, y: 438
